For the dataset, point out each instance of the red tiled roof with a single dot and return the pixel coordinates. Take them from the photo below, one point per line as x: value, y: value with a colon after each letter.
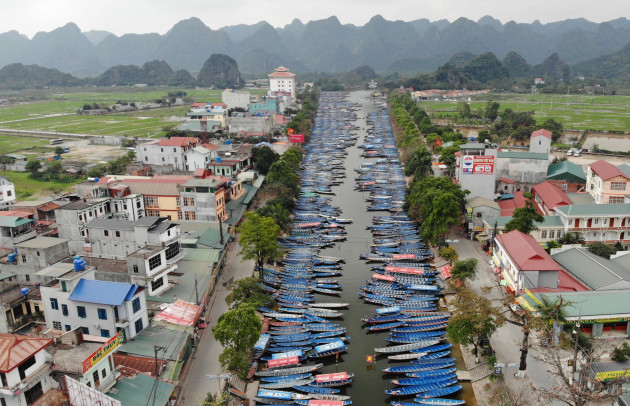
x: 506, y: 180
x: 219, y: 105
x: 15, y: 349
x: 606, y: 170
x: 543, y: 132
x: 566, y: 283
x: 16, y: 213
x: 507, y: 206
x: 132, y: 364
x: 210, y: 147
x: 199, y: 172
x: 551, y: 195
x: 526, y: 253
x: 178, y: 141
x: 48, y: 206
x: 198, y: 105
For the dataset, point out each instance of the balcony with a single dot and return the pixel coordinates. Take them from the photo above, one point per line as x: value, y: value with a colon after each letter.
x: 176, y: 258
x: 121, y: 323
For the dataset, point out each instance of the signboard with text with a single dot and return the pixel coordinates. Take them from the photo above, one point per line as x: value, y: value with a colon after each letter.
x: 478, y: 164
x: 296, y: 137
x: 103, y: 351
x: 280, y: 362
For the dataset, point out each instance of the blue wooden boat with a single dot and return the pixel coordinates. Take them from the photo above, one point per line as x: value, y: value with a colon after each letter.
x: 289, y: 371
x: 384, y: 326
x: 411, y: 340
x: 433, y: 348
x: 306, y: 402
x: 286, y: 384
x: 315, y: 389
x: 435, y: 355
x: 439, y: 402
x: 423, y: 380
x: 293, y: 377
x: 449, y: 390
x: 406, y: 347
x: 433, y: 372
x: 414, y: 390
x: 426, y: 366
x: 418, y: 334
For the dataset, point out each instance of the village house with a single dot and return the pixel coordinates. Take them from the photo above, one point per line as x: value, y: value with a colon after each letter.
x: 607, y: 183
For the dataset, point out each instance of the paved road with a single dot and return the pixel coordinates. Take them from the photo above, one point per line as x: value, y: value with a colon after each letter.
x: 205, y: 360
x: 507, y: 340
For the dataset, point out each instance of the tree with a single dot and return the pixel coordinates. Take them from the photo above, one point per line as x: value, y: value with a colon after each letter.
x: 281, y: 172
x: 602, y: 250
x: 474, y: 318
x: 235, y: 361
x: 464, y: 270
x: 248, y: 290
x: 212, y: 399
x: 420, y: 164
x: 463, y: 109
x: 33, y: 166
x: 58, y: 151
x: 449, y: 254
x: 259, y: 237
x: 55, y: 167
x: 571, y: 238
x: 238, y: 328
x: 552, y: 244
x: 492, y: 110
x: 293, y: 157
x: 278, y: 213
x: 523, y: 218
x: 263, y: 157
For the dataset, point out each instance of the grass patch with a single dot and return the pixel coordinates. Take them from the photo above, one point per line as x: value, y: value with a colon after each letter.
x: 30, y: 189
x: 10, y: 144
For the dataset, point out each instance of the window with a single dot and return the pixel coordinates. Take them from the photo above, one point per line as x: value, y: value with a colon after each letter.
x: 551, y: 234
x: 138, y: 325
x: 478, y: 214
x: 37, y: 253
x: 190, y: 215
x: 617, y: 185
x: 68, y: 328
x: 54, y: 304
x: 85, y: 330
x: 178, y: 201
x: 161, y: 149
x: 146, y: 158
x: 543, y: 234
x: 155, y: 261
x: 163, y: 160
x: 135, y: 304
x: 615, y: 199
x: 172, y: 251
x: 135, y: 269
x: 57, y: 325
x: 157, y: 284
x: 102, y: 314
x: 138, y: 204
x: 151, y: 201
x: 28, y: 278
x: 117, y: 233
x: 106, y: 233
x: 104, y: 333
x: 81, y: 312
x: 26, y: 365
x: 570, y: 222
x: 189, y: 201
x: 596, y: 221
x: 23, y: 258
x: 153, y: 213
x: 64, y: 309
x: 565, y: 187
x: 5, y: 383
x: 104, y: 371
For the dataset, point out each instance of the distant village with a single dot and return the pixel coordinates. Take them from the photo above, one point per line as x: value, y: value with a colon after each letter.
x: 91, y: 283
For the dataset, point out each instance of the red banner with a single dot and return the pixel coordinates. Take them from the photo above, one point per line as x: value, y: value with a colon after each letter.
x: 397, y: 269
x: 338, y: 376
x: 380, y: 277
x: 273, y: 363
x: 446, y: 271
x: 296, y: 137
x: 319, y: 402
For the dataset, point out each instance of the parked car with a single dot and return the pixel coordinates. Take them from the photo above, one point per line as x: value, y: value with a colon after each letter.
x: 201, y: 323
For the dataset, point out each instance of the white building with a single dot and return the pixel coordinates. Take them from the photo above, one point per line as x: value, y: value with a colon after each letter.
x: 235, y: 99
x: 167, y: 151
x: 282, y: 80
x: 7, y: 192
x: 540, y: 141
x: 25, y: 369
x: 199, y: 157
x: 101, y: 308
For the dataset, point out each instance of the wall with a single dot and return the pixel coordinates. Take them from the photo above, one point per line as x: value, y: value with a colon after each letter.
x: 528, y: 171
x: 106, y: 140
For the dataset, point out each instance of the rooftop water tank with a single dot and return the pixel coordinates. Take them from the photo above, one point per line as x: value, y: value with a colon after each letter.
x: 24, y: 291
x: 96, y: 180
x: 228, y: 142
x: 79, y: 264
x: 218, y: 159
x: 229, y: 183
x: 12, y: 256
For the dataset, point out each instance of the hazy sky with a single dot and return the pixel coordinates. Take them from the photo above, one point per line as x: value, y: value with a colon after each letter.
x: 142, y: 16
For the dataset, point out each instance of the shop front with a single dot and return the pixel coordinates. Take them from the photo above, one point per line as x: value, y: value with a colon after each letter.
x: 603, y: 327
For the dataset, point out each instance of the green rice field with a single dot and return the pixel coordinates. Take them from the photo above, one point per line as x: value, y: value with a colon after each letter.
x: 576, y: 112
x: 55, y: 112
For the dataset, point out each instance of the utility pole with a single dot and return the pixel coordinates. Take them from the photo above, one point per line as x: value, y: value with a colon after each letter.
x: 220, y: 228
x: 196, y: 292
x: 157, y: 348
x: 575, y: 349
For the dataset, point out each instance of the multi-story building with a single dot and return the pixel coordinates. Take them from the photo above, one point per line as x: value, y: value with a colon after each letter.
x: 607, y: 223
x: 607, y: 183
x: 548, y: 197
x: 15, y: 227
x: 203, y: 199
x: 282, y: 80
x: 199, y: 157
x: 209, y: 113
x: 476, y: 169
x: 73, y: 217
x: 235, y: 99
x: 248, y: 123
x: 526, y: 169
x: 540, y: 141
x: 76, y: 300
x: 567, y: 176
x: 25, y: 369
x: 34, y: 255
x: 166, y: 152
x: 7, y: 192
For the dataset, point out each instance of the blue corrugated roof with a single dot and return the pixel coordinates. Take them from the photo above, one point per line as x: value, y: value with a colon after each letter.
x: 103, y: 292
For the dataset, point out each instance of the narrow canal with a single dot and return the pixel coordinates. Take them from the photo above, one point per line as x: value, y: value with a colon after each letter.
x: 369, y: 382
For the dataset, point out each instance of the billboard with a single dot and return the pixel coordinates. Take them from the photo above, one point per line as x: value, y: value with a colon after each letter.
x: 478, y: 164
x: 280, y: 362
x: 296, y: 137
x: 103, y: 351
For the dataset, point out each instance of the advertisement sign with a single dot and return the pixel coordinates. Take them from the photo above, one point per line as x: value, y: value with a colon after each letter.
x: 380, y: 277
x: 607, y: 376
x: 102, y: 352
x: 339, y: 376
x: 404, y: 256
x: 478, y: 164
x: 320, y: 402
x: 296, y: 137
x: 272, y: 363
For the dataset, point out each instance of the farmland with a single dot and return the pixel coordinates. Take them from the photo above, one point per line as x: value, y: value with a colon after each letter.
x: 576, y: 112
